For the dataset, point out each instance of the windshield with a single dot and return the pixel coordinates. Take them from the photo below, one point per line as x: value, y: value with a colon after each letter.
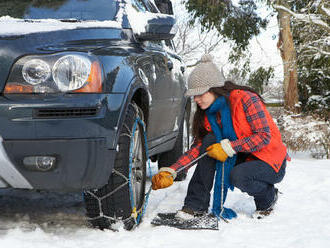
x: 81, y: 10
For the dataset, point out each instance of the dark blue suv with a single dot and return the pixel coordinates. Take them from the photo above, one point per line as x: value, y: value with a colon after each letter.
x: 82, y: 81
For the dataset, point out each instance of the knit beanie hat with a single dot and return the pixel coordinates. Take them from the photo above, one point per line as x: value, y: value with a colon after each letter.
x: 205, y: 76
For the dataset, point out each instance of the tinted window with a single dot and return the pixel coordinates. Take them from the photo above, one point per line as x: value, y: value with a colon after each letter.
x: 60, y: 9
x: 139, y: 5
x: 164, y: 6
x: 151, y: 7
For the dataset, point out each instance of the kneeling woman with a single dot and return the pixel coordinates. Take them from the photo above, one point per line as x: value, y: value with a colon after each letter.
x: 233, y: 126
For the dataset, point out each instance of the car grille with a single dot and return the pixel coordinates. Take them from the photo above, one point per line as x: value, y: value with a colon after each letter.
x: 55, y: 113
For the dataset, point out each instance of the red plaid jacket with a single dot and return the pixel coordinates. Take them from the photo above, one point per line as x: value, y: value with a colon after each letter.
x: 254, y: 133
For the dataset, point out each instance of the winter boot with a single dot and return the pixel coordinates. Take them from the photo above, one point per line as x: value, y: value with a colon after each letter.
x: 187, y: 213
x: 261, y: 213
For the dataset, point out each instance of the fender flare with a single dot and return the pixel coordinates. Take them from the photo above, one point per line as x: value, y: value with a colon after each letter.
x: 138, y: 92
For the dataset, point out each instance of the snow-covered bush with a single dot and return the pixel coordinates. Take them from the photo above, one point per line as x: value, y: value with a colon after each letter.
x: 311, y: 28
x: 306, y: 133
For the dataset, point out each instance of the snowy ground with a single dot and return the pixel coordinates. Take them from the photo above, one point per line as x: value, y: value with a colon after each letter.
x: 302, y: 218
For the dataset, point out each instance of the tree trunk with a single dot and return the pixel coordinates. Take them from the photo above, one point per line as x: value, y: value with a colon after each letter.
x: 288, y: 54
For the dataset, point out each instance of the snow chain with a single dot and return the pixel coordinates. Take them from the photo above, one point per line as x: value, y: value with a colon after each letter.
x: 136, y: 214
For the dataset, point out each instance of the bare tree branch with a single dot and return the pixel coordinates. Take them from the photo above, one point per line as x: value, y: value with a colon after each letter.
x: 307, y: 18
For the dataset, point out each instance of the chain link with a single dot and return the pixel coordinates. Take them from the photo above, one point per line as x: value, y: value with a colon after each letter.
x: 136, y: 215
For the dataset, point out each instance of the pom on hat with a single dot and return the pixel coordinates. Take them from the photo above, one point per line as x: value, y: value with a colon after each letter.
x: 206, y: 58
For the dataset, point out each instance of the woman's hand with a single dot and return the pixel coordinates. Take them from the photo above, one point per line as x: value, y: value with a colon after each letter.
x: 216, y: 151
x: 163, y: 179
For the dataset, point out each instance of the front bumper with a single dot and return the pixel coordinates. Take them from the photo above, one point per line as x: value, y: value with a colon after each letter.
x: 80, y: 164
x: 79, y: 130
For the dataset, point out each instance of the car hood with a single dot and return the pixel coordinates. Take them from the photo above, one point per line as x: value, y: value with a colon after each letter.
x: 84, y: 40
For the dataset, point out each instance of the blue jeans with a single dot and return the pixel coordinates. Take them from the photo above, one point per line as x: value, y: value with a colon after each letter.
x: 201, y: 183
x: 256, y: 177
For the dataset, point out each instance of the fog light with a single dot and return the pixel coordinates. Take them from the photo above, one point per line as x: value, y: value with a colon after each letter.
x: 40, y: 163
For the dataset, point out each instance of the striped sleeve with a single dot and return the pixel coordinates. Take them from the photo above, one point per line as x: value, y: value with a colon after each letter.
x: 187, y: 157
x: 256, y: 117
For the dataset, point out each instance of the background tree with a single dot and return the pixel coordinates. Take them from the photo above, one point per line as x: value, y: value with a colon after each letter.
x: 242, y: 73
x: 240, y: 23
x: 260, y: 78
x: 191, y: 41
x: 17, y: 8
x: 311, y: 37
x: 303, y: 25
x: 289, y: 58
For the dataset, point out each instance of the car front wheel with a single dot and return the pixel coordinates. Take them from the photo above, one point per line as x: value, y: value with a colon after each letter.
x: 123, y: 197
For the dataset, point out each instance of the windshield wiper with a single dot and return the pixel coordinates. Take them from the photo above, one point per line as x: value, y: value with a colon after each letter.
x: 69, y: 20
x: 61, y: 20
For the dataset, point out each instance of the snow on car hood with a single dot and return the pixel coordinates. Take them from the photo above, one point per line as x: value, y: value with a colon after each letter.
x: 138, y: 20
x: 13, y: 26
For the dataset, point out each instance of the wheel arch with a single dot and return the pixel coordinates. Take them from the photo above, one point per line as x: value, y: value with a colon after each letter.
x: 140, y: 97
x: 138, y: 93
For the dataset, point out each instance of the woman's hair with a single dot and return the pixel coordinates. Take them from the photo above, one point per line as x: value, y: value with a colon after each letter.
x: 198, y: 129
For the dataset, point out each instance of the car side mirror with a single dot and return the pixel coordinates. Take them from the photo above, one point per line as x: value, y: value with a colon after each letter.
x: 164, y: 6
x: 159, y: 28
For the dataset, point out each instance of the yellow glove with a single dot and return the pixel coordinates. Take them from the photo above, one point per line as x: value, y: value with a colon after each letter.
x: 162, y: 180
x: 216, y: 151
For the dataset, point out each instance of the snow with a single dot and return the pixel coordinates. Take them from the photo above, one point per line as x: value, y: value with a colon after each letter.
x: 305, y: 133
x: 138, y: 20
x: 307, y: 18
x: 326, y: 10
x: 13, y: 26
x: 301, y: 219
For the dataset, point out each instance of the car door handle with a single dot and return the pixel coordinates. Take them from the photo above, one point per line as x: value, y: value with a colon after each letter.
x: 170, y: 64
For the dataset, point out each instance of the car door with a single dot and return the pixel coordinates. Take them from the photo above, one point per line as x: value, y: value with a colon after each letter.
x: 162, y: 114
x: 179, y: 86
x: 162, y: 118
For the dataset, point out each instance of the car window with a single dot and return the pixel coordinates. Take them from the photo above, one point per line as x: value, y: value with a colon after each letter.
x: 164, y: 6
x: 144, y: 5
x: 100, y: 10
x: 139, y: 5
x: 150, y: 6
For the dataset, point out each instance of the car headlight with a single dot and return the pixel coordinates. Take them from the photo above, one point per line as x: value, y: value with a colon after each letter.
x: 71, y: 72
x: 63, y: 72
x: 35, y: 71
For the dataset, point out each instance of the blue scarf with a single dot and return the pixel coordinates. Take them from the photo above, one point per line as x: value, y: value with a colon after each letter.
x: 226, y: 132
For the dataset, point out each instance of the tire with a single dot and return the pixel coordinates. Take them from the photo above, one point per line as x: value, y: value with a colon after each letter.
x: 182, y: 144
x: 119, y: 198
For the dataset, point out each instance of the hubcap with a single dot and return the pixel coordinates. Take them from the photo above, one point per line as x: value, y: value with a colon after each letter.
x: 137, y: 173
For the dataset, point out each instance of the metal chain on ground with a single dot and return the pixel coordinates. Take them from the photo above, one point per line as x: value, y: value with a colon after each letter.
x: 99, y: 199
